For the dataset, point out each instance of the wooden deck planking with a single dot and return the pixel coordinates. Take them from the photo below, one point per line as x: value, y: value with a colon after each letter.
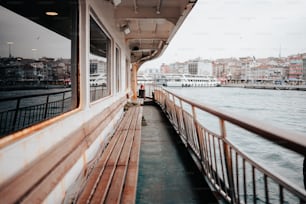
x: 129, y: 190
x: 116, y: 188
x: 130, y: 187
x: 95, y: 176
x: 118, y: 164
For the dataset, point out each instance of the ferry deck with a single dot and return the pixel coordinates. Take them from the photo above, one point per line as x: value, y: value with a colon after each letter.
x: 167, y: 173
x: 67, y: 140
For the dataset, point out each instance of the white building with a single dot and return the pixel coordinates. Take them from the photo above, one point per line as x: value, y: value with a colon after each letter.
x: 200, y: 67
x: 97, y: 66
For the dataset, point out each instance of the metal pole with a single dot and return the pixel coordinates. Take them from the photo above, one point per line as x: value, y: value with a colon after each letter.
x: 16, y: 114
x: 63, y: 101
x: 199, y: 135
x: 46, y: 107
x: 228, y: 162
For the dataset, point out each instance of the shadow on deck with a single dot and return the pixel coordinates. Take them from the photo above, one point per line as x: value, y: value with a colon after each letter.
x: 167, y: 174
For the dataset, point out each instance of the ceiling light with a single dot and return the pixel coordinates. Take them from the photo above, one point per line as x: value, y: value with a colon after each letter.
x: 126, y: 29
x: 51, y: 13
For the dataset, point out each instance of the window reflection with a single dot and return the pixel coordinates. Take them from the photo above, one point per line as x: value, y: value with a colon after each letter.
x: 99, y: 68
x: 35, y: 62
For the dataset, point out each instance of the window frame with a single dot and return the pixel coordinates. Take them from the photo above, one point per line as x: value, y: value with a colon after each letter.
x: 118, y: 76
x: 94, y: 17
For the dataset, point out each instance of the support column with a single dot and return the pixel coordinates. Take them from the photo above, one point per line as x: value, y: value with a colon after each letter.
x: 135, y: 67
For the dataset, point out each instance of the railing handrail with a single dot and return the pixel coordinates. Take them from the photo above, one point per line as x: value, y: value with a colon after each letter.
x: 10, y: 98
x: 229, y: 170
x: 281, y: 179
x: 285, y: 138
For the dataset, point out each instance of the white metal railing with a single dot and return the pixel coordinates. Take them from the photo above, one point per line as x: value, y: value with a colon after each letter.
x: 233, y: 173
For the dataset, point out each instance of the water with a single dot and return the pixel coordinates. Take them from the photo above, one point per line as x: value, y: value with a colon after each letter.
x: 279, y: 108
x: 284, y: 109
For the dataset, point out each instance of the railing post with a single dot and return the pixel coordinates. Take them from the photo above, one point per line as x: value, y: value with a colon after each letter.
x: 46, y: 107
x: 167, y: 98
x: 228, y: 162
x: 161, y: 98
x: 63, y: 101
x: 198, y: 132
x: 164, y: 98
x: 173, y: 113
x: 183, y: 119
x: 16, y: 114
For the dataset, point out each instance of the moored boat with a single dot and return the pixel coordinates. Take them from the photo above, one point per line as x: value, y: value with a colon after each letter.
x: 189, y: 80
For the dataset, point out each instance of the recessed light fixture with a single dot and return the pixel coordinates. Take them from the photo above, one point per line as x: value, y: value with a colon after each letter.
x: 51, y: 13
x: 126, y: 29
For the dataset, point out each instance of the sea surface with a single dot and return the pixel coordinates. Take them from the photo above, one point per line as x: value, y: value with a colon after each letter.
x: 283, y: 109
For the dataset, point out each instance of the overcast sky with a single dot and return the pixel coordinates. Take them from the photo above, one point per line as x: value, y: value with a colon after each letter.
x: 237, y: 28
x: 29, y: 40
x: 214, y: 29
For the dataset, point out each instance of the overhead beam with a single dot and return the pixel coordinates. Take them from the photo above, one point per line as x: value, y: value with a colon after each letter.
x: 171, y: 14
x: 147, y: 46
x: 148, y: 36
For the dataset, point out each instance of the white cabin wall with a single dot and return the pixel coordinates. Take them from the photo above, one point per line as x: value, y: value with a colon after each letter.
x: 25, y: 146
x: 75, y: 175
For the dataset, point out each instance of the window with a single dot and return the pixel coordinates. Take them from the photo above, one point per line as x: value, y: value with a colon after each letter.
x: 37, y: 62
x: 100, y: 80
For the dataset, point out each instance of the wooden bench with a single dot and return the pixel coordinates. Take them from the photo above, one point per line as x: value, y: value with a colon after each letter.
x: 114, y: 178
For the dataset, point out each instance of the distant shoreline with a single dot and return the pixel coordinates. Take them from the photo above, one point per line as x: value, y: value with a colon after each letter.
x: 267, y: 86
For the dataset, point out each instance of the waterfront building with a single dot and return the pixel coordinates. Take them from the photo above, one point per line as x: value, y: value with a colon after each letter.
x: 178, y: 67
x: 18, y: 71
x: 196, y: 67
x: 227, y: 69
x: 295, y: 69
x: 219, y: 71
x: 245, y: 69
x: 164, y: 68
x: 247, y: 65
x: 97, y: 66
x: 150, y: 71
x: 304, y: 68
x: 199, y: 67
x: 234, y: 73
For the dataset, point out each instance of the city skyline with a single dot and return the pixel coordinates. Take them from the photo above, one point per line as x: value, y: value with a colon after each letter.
x: 236, y: 28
